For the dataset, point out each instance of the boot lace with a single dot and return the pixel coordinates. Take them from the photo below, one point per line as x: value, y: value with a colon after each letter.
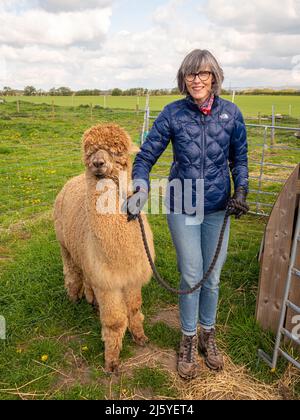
x: 211, y: 343
x: 189, y: 348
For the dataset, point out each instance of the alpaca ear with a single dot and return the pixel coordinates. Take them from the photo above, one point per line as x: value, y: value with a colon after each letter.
x: 134, y: 149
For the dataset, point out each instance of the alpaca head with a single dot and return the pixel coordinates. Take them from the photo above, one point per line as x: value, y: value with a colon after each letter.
x: 106, y: 150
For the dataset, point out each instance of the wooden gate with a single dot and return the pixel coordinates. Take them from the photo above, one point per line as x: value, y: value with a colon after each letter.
x: 275, y: 258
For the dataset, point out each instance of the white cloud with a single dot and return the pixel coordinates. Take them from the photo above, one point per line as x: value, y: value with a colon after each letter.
x: 296, y: 69
x: 60, y: 44
x: 71, y: 5
x: 240, y: 76
x: 54, y: 6
x: 67, y: 28
x: 258, y: 15
x: 3, y: 71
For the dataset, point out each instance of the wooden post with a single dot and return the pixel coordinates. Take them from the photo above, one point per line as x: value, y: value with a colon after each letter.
x: 259, y: 118
x: 233, y: 96
x: 290, y: 110
x: 273, y: 124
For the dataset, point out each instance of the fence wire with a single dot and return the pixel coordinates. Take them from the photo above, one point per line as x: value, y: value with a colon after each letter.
x: 273, y: 153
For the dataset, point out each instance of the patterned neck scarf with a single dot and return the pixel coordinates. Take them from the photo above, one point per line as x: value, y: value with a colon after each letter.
x: 205, y: 108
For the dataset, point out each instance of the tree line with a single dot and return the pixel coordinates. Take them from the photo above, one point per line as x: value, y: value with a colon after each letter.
x: 66, y: 91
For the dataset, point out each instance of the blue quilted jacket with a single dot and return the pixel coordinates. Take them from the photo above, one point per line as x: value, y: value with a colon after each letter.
x: 205, y: 147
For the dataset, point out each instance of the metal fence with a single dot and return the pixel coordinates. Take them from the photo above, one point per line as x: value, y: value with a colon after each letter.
x: 33, y: 168
x: 40, y: 150
x: 268, y: 145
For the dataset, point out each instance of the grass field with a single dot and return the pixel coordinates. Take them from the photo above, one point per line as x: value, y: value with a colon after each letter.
x: 250, y: 105
x: 53, y: 348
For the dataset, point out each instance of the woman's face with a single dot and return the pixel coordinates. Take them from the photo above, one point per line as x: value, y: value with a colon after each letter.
x: 200, y: 88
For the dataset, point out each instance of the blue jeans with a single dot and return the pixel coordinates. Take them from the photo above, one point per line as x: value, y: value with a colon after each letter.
x: 195, y: 248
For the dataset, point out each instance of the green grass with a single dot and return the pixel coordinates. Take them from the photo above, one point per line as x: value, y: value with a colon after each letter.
x: 250, y: 105
x: 37, y: 155
x: 41, y: 320
x: 163, y: 336
x: 155, y: 381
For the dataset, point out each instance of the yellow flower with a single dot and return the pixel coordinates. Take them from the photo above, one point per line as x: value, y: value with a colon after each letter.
x: 19, y: 351
x: 44, y: 358
x: 84, y: 348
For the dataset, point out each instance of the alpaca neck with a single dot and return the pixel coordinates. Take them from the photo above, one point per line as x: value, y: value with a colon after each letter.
x: 115, y: 189
x: 109, y: 228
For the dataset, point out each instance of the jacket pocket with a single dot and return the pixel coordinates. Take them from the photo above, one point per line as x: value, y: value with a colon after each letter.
x: 226, y: 178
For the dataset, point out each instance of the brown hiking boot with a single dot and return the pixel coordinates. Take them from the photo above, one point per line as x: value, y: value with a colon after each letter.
x: 187, y: 366
x: 208, y: 347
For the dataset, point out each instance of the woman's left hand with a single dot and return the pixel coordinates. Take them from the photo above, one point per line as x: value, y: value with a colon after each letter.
x: 237, y: 205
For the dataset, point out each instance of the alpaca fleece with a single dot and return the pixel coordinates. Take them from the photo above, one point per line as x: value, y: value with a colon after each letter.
x: 103, y: 254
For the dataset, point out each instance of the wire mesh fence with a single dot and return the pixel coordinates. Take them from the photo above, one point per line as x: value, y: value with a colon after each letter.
x: 273, y: 153
x: 40, y: 150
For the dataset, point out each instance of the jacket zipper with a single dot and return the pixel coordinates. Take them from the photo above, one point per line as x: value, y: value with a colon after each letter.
x: 203, y: 144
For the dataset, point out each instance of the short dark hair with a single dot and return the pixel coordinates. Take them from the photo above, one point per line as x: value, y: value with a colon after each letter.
x: 194, y: 62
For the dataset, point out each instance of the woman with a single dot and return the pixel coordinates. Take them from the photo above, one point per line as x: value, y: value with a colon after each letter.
x: 208, y: 136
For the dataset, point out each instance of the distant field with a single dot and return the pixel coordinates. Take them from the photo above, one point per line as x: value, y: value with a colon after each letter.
x: 39, y: 152
x: 250, y: 105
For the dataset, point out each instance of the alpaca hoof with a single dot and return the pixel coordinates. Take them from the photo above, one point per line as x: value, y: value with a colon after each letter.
x: 74, y: 298
x: 74, y: 294
x: 112, y: 368
x: 141, y: 341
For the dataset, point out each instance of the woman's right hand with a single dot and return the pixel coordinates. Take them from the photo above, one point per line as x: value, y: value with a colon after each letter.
x: 135, y: 203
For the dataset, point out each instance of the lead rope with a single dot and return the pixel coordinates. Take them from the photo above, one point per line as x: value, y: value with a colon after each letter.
x: 161, y: 281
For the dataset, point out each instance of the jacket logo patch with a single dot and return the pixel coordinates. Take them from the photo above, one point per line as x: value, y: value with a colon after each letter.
x: 224, y: 117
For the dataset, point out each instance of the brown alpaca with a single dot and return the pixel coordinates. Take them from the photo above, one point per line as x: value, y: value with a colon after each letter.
x: 103, y: 254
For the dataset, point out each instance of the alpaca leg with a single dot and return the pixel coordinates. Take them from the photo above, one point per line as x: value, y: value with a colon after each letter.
x: 89, y: 293
x: 133, y: 299
x: 113, y: 315
x: 73, y: 276
x: 90, y: 297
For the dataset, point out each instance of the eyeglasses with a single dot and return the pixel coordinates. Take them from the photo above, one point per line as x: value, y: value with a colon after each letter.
x: 203, y: 76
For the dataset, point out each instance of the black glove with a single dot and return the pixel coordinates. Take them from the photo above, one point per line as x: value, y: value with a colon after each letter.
x: 237, y: 203
x: 135, y: 203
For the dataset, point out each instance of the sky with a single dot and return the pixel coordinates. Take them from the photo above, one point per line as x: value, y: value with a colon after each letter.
x: 141, y: 43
